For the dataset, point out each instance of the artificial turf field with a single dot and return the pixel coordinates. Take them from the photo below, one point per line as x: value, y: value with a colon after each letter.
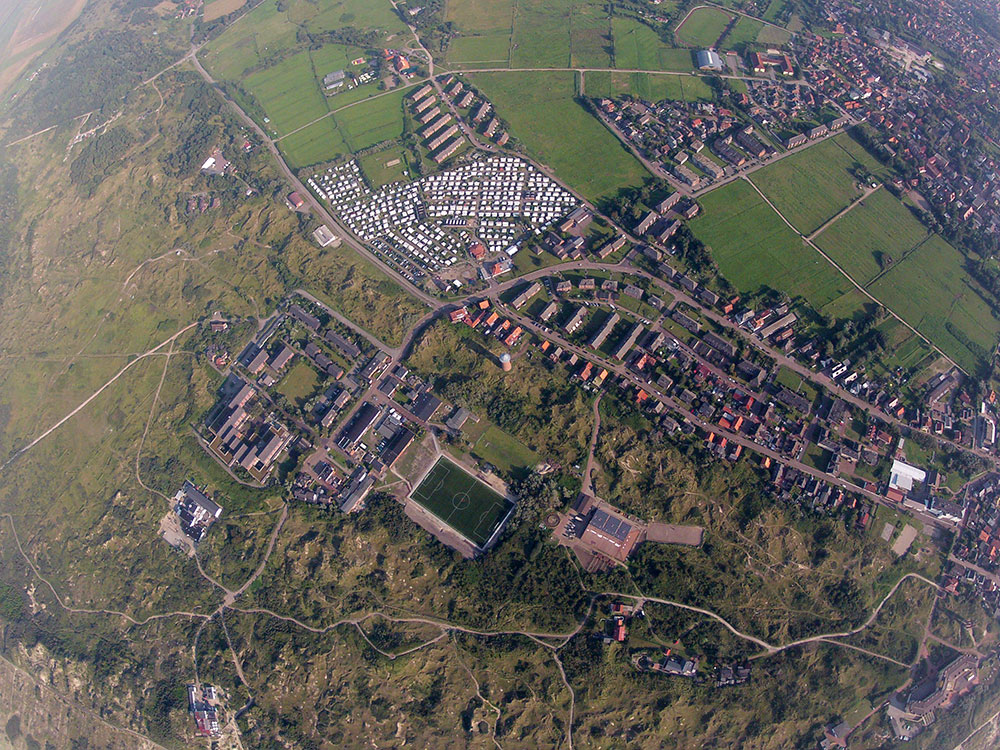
x: 461, y: 501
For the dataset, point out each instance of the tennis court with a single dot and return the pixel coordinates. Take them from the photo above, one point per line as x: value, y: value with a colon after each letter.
x: 461, y: 501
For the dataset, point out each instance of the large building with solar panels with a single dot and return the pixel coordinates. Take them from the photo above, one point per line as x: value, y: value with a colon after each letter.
x: 610, y: 533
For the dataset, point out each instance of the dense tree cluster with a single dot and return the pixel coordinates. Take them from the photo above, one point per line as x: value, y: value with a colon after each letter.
x: 98, y: 158
x: 90, y: 76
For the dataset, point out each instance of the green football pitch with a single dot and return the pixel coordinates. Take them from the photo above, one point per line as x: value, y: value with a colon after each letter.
x: 461, y: 501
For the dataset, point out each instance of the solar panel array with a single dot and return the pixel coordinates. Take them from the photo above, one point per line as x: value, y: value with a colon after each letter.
x: 613, y: 526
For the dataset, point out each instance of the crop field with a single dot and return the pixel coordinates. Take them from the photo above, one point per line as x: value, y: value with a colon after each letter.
x: 543, y: 114
x: 810, y: 187
x: 755, y: 248
x: 638, y: 47
x: 703, y: 27
x: 745, y: 30
x: 218, y: 8
x: 932, y: 292
x: 461, y: 501
x: 373, y: 121
x: 289, y: 93
x: 318, y: 143
x: 871, y: 237
x: 648, y: 86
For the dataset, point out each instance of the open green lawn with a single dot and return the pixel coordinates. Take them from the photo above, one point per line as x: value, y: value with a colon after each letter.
x: 931, y: 291
x: 461, y: 501
x: 755, y: 248
x: 745, y: 30
x: 378, y: 167
x: 773, y: 35
x: 871, y: 237
x: 504, y: 451
x: 811, y: 186
x: 773, y: 9
x: 639, y: 47
x: 703, y: 27
x: 299, y: 383
x: 545, y: 117
x: 648, y: 86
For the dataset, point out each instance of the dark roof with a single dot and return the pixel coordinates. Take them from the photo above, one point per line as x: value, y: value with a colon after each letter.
x: 359, y: 425
x: 425, y: 405
x: 198, y: 497
x: 611, y: 525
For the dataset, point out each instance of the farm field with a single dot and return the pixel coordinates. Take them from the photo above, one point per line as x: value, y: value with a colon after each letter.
x: 932, y: 292
x: 288, y: 93
x: 638, y: 47
x: 218, y: 8
x: 541, y: 111
x: 590, y: 37
x: 810, y: 187
x: 488, y: 48
x: 478, y: 17
x: 648, y: 86
x: 703, y: 27
x: 755, y: 249
x: 875, y: 234
x: 904, y: 348
x: 461, y: 501
x: 773, y: 9
x: 315, y: 144
x: 267, y: 32
x: 373, y: 121
x: 541, y: 36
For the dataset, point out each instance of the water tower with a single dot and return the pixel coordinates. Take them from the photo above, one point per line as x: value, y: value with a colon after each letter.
x: 505, y: 361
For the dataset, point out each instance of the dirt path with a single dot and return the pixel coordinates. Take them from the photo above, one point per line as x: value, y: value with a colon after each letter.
x: 94, y: 395
x: 73, y: 704
x: 588, y: 482
x: 83, y: 611
x: 840, y: 214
